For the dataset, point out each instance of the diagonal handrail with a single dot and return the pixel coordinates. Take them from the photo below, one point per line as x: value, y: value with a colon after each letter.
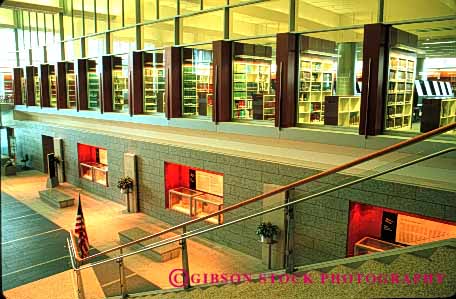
x: 197, y: 232
x: 311, y: 178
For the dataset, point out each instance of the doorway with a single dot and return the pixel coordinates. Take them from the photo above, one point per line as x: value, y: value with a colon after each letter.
x: 48, y: 147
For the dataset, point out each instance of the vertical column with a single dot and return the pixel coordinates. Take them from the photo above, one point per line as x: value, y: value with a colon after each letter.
x: 44, y: 86
x: 136, y: 92
x: 106, y: 98
x: 420, y: 75
x: 30, y: 85
x: 18, y: 73
x: 287, y: 57
x: 61, y: 85
x: 346, y: 69
x: 222, y: 68
x: 375, y: 60
x: 173, y: 82
x: 81, y: 71
x: 130, y: 171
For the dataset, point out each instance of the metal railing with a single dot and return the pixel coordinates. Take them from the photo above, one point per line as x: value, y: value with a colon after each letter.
x: 78, y: 262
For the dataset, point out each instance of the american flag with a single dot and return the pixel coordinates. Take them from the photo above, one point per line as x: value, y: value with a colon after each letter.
x: 81, y: 233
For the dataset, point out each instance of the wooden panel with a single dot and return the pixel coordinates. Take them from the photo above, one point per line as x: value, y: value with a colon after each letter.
x: 61, y: 85
x: 375, y: 60
x: 173, y: 82
x: 222, y: 68
x: 136, y: 92
x: 81, y: 73
x: 44, y: 86
x: 331, y: 110
x: 430, y: 118
x: 309, y: 43
x: 18, y: 74
x: 30, y: 85
x: 106, y: 65
x: 287, y: 61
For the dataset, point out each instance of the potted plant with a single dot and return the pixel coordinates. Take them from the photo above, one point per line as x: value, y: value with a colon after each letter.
x: 267, y: 231
x: 125, y: 184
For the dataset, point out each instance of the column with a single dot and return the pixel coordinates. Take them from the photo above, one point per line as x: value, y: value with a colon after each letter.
x: 346, y: 76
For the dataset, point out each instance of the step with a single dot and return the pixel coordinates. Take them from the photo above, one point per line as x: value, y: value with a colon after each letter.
x: 56, y: 198
x: 160, y: 254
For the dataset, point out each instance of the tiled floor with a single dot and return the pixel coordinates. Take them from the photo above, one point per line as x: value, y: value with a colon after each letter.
x: 104, y: 219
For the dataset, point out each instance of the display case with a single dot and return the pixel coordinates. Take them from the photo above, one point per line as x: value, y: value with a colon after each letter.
x: 205, y: 204
x: 93, y: 85
x: 370, y: 245
x: 316, y: 81
x: 119, y: 85
x: 7, y: 85
x: 52, y: 87
x: 95, y: 172
x: 153, y: 82
x: 343, y: 111
x: 182, y: 200
x: 399, y: 99
x: 70, y: 85
x: 197, y: 85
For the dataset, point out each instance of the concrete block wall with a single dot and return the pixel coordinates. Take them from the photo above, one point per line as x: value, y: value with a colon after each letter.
x: 321, y: 223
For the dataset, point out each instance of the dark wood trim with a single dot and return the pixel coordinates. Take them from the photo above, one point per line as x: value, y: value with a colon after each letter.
x: 82, y: 82
x: 375, y: 66
x: 61, y: 85
x: 45, y: 89
x: 287, y: 57
x: 30, y: 84
x: 173, y: 85
x: 223, y: 64
x: 137, y: 92
x: 106, y: 64
x: 18, y: 74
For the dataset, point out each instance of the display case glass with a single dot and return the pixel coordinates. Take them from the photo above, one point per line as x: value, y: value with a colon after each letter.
x: 182, y: 200
x: 154, y: 82
x: 119, y: 84
x: 370, y: 245
x: 93, y: 164
x: 205, y: 204
x: 52, y: 86
x: 93, y: 85
x: 197, y: 82
x: 85, y: 170
x: 71, y: 85
x: 100, y: 174
x: 253, y: 82
x: 399, y: 101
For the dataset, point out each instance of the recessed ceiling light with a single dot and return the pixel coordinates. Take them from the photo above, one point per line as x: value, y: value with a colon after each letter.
x: 438, y: 43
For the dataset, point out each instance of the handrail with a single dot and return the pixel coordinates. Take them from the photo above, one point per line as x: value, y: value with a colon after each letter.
x: 197, y: 232
x: 311, y: 178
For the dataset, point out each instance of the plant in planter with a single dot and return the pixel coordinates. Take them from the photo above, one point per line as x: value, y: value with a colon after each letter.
x: 125, y: 184
x: 267, y: 231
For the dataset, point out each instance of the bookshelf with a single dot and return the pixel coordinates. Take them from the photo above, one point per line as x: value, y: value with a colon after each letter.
x: 93, y: 85
x: 71, y: 85
x: 153, y: 81
x: 438, y: 113
x: 8, y: 86
x: 399, y: 99
x: 36, y: 87
x: 119, y: 85
x: 251, y: 78
x: 197, y: 85
x: 316, y: 81
x: 342, y: 111
x: 52, y: 87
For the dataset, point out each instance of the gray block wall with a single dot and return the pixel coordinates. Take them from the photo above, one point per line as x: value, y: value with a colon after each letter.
x: 321, y: 223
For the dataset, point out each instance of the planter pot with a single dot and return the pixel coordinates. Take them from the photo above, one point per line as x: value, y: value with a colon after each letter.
x: 123, y: 191
x: 266, y: 240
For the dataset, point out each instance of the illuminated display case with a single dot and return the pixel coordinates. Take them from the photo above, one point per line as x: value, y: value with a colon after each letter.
x: 95, y: 172
x: 253, y: 95
x: 197, y: 85
x: 119, y: 86
x: 71, y: 85
x: 153, y: 82
x: 182, y: 200
x: 85, y: 170
x: 370, y: 245
x: 205, y: 204
x: 401, y: 81
x: 93, y: 85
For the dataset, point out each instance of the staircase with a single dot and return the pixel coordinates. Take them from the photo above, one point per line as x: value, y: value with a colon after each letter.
x: 404, y: 263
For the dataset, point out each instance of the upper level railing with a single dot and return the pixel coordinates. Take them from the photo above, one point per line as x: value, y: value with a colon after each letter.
x: 285, y: 188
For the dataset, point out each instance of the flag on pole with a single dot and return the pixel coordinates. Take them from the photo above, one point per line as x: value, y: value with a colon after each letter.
x: 81, y: 233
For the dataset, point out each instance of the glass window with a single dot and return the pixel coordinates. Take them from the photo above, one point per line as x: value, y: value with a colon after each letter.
x: 202, y: 27
x: 402, y: 10
x: 254, y: 79
x: 41, y: 32
x: 56, y: 27
x: 130, y: 12
x: 67, y: 27
x: 154, y: 81
x: 318, y: 14
x: 189, y: 6
x: 264, y: 18
x: 102, y: 15
x: 148, y: 10
x: 33, y: 29
x: 330, y: 69
x: 93, y: 86
x: 115, y: 13
x: 215, y: 3
x: 77, y: 18
x: 167, y: 8
x: 197, y: 81
x: 53, y: 53
x: 421, y: 77
x: 6, y: 16
x: 7, y: 52
x: 73, y: 50
x: 37, y: 56
x: 120, y: 83
x: 96, y: 45
x: 123, y: 41
x: 49, y: 32
x: 89, y: 16
x: 158, y: 35
x: 24, y: 58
